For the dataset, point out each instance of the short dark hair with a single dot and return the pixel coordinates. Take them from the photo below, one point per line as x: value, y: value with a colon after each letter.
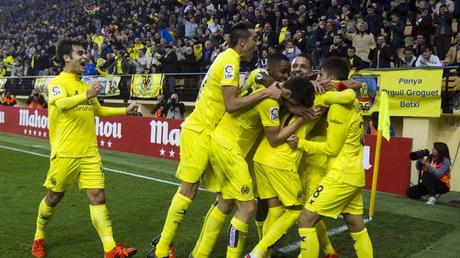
x: 65, y: 48
x: 428, y: 47
x: 276, y: 59
x: 301, y: 89
x: 306, y: 56
x: 337, y: 67
x: 239, y: 31
x: 354, y: 49
x: 408, y: 49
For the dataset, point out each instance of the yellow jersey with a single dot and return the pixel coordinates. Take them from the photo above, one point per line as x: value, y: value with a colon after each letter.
x: 240, y: 131
x: 283, y: 156
x: 72, y: 130
x: 209, y: 108
x: 344, y: 144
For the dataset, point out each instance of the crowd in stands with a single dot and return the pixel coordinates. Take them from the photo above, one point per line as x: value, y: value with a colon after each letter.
x: 138, y: 36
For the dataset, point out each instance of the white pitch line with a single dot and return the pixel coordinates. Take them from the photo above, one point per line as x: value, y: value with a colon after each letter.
x: 332, y: 232
x: 106, y: 168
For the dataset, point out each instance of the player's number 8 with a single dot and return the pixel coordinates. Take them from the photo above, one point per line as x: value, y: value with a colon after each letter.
x: 318, y: 191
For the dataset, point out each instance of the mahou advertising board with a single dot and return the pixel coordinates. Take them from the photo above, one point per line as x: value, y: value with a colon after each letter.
x: 160, y: 138
x: 140, y: 135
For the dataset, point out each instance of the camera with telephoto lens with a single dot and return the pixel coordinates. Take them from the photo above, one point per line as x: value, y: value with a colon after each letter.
x: 419, y: 154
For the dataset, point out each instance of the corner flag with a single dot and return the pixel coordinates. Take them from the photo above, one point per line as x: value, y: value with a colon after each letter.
x: 384, y: 115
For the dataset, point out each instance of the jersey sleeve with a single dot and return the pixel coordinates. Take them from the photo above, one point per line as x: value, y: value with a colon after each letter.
x: 106, y: 111
x: 268, y: 110
x: 337, y: 130
x: 230, y: 73
x: 335, y: 97
x: 58, y: 97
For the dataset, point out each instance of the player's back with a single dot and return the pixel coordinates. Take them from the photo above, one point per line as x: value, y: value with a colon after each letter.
x: 347, y: 165
x: 210, y: 107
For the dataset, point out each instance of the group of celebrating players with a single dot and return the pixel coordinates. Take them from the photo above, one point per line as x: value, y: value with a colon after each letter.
x: 278, y: 145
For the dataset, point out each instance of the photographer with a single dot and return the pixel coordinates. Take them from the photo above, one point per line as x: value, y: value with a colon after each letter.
x: 174, y: 108
x: 434, y: 168
x: 36, y: 100
x: 159, y: 109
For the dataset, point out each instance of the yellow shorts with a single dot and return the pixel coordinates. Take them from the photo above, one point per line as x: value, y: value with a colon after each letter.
x: 284, y: 184
x: 333, y: 198
x: 232, y: 173
x: 312, y: 170
x: 194, y: 159
x: 64, y: 173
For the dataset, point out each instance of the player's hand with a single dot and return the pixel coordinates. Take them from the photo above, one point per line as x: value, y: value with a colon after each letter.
x: 93, y: 90
x: 315, y: 113
x: 274, y: 92
x: 319, y: 86
x: 132, y: 108
x: 292, y: 141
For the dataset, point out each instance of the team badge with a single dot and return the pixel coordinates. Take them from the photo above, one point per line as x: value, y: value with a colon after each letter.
x: 245, y: 189
x: 229, y: 72
x: 274, y: 114
x: 56, y: 90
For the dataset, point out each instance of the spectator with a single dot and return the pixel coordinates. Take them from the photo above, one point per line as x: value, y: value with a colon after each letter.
x: 453, y: 56
x: 355, y: 61
x: 36, y: 100
x: 267, y: 36
x: 408, y: 60
x: 291, y: 51
x: 333, y: 11
x: 142, y: 62
x: 419, y: 45
x: 394, y: 32
x: 443, y: 31
x: 362, y: 41
x: 427, y: 59
x: 189, y: 64
x: 373, y: 20
x: 262, y: 61
x: 382, y: 56
x: 169, y: 64
x: 423, y: 24
x: 338, y: 47
x: 205, y: 60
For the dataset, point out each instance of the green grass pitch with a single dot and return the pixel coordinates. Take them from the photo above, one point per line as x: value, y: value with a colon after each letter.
x: 138, y: 206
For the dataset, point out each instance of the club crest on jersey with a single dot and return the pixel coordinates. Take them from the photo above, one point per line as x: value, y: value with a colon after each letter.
x: 274, y: 114
x: 56, y: 90
x: 229, y: 73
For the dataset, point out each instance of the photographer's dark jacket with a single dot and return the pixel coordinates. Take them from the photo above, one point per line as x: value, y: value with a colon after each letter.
x: 441, y: 170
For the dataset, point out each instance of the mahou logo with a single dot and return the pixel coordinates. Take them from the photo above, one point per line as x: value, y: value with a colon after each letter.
x: 108, y: 129
x: 160, y: 134
x: 33, y: 120
x: 2, y: 117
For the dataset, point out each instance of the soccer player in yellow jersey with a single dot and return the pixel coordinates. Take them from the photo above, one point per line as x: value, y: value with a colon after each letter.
x: 74, y: 157
x: 219, y: 93
x: 230, y: 143
x: 340, y: 191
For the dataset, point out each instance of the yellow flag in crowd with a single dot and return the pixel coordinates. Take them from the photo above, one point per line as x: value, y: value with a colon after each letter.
x: 384, y: 115
x: 147, y: 85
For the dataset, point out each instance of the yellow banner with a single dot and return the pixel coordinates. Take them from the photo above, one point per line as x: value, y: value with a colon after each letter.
x: 411, y: 92
x: 147, y: 85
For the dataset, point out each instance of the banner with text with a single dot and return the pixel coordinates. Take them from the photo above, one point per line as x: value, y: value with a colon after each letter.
x: 411, y: 92
x: 147, y: 85
x: 109, y: 84
x: 140, y: 135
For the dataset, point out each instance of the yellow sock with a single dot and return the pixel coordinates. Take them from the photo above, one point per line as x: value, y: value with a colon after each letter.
x: 363, y: 245
x: 103, y: 225
x: 198, y: 242
x: 176, y: 214
x: 237, y: 238
x: 211, y: 230
x: 309, y: 244
x: 260, y: 228
x: 278, y: 228
x: 324, y: 241
x: 44, y: 215
x: 273, y: 214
